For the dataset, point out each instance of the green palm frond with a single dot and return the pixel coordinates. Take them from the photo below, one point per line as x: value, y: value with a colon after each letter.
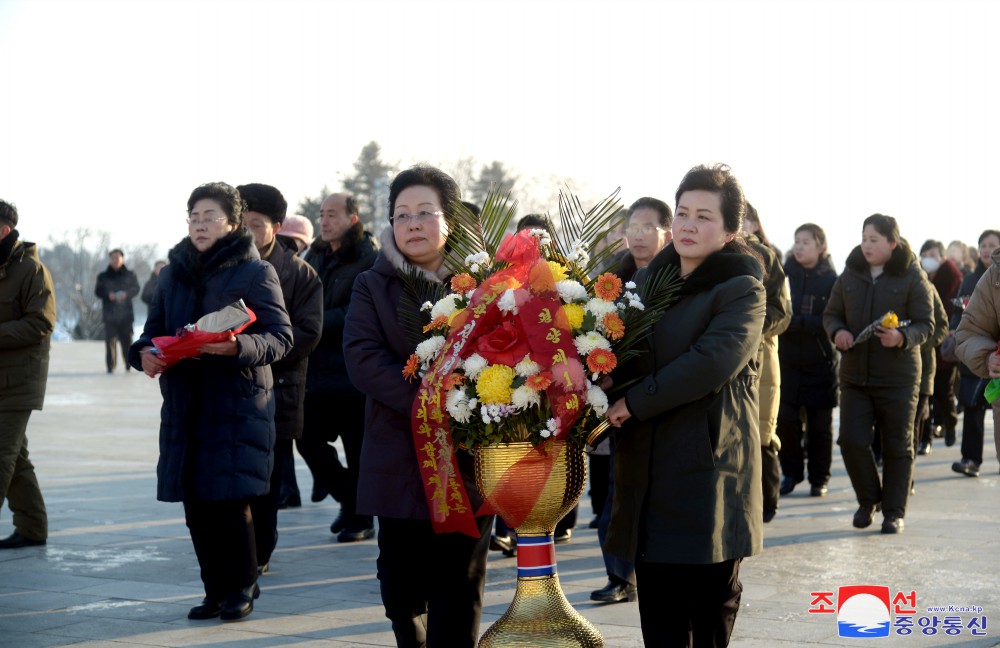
x: 472, y: 234
x: 588, y: 227
x: 656, y: 293
x: 416, y: 291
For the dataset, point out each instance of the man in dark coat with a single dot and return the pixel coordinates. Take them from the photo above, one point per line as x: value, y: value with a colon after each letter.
x: 333, y: 407
x: 27, y: 317
x: 264, y: 215
x: 149, y: 288
x: 116, y: 288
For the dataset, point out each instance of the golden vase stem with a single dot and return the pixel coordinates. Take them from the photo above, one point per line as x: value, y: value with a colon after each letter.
x: 539, y: 615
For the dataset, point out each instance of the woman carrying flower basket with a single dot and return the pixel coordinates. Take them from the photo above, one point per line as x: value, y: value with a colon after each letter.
x: 431, y: 584
x: 687, y: 505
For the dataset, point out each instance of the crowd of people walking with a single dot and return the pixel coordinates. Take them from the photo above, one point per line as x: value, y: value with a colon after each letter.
x: 732, y: 405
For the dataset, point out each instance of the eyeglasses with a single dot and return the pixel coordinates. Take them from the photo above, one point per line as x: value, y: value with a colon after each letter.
x: 405, y: 219
x: 636, y: 230
x: 204, y: 221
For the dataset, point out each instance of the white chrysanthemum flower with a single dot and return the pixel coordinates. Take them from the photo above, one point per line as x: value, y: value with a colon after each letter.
x: 480, y: 258
x: 580, y: 255
x: 485, y: 414
x: 429, y: 348
x: 544, y: 433
x: 636, y: 304
x: 426, y: 306
x: 632, y: 296
x: 458, y: 405
x: 474, y: 366
x: 508, y: 302
x: 551, y: 427
x: 597, y: 399
x: 445, y: 306
x: 629, y: 285
x: 527, y: 367
x: 600, y: 307
x: 587, y: 342
x: 524, y: 397
x: 571, y: 291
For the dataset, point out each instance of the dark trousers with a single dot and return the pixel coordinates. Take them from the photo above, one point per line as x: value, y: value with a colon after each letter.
x: 119, y: 333
x: 264, y: 509
x: 973, y: 432
x: 818, y: 428
x: 943, y: 410
x: 18, y: 483
x: 617, y: 568
x: 600, y: 471
x: 691, y: 606
x: 921, y: 422
x: 223, y: 537
x: 326, y: 418
x: 770, y: 475
x: 893, y: 409
x: 432, y: 584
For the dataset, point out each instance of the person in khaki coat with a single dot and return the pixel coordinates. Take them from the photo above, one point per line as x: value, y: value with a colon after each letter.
x: 27, y: 318
x: 977, y: 336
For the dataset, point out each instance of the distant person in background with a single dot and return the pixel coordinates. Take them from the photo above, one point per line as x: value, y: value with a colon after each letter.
x: 149, y: 290
x: 116, y: 288
x: 776, y: 318
x: 296, y: 232
x: 958, y: 252
x: 615, y: 235
x: 808, y: 367
x: 27, y: 319
x: 264, y: 215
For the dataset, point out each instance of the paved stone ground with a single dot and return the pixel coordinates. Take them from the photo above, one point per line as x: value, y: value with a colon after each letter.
x: 119, y: 569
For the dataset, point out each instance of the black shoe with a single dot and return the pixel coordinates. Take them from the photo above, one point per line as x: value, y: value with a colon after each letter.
x: 290, y: 501
x: 340, y: 523
x: 562, y: 537
x: 892, y: 524
x: 595, y: 523
x: 949, y: 437
x: 16, y: 541
x: 209, y: 609
x: 358, y: 528
x: 925, y: 448
x: 967, y: 467
x: 319, y: 493
x: 937, y: 432
x: 769, y: 515
x: 263, y: 569
x: 817, y: 491
x: 614, y: 593
x: 787, y: 485
x: 239, y: 604
x: 865, y: 514
x: 505, y: 544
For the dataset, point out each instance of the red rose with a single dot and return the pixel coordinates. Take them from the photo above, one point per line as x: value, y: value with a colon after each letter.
x: 505, y: 343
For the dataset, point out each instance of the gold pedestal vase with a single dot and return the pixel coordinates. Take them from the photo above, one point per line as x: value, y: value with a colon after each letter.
x: 539, y: 615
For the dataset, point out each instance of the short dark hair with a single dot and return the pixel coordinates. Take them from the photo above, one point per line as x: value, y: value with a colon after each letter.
x: 8, y: 213
x: 930, y: 244
x: 884, y: 225
x: 264, y: 199
x: 818, y: 234
x: 752, y: 216
x: 222, y: 193
x: 534, y: 221
x: 666, y: 218
x: 426, y: 176
x: 351, y: 205
x: 989, y: 232
x: 117, y: 251
x: 719, y: 180
x: 472, y: 207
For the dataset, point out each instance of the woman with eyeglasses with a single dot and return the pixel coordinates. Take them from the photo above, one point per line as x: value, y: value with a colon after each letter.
x: 217, y: 420
x: 431, y: 584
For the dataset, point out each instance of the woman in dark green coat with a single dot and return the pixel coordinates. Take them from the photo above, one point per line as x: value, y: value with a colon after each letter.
x: 687, y: 504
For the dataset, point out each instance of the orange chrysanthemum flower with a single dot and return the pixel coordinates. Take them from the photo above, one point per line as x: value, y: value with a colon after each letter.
x: 412, y: 365
x: 441, y: 321
x: 453, y: 380
x: 614, y: 325
x: 538, y: 382
x: 463, y: 283
x: 608, y: 286
x: 601, y: 361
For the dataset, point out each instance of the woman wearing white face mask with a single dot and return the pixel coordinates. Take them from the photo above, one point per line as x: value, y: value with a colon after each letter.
x: 946, y: 278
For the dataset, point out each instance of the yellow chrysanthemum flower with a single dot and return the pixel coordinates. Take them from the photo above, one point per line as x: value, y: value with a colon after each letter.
x: 494, y: 385
x: 574, y: 315
x: 558, y: 270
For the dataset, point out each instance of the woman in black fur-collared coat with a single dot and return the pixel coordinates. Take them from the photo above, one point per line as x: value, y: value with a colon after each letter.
x: 217, y: 421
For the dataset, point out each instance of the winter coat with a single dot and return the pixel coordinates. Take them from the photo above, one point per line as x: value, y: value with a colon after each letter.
x: 777, y: 316
x: 217, y: 419
x: 302, y: 293
x: 965, y: 292
x: 337, y: 270
x: 376, y: 347
x: 27, y: 318
x: 149, y: 290
x: 928, y: 349
x: 856, y: 301
x: 979, y: 329
x: 111, y: 281
x: 947, y: 282
x: 809, y: 361
x: 688, y: 463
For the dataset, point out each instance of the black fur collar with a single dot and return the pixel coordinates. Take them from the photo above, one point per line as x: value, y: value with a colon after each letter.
x: 192, y: 268
x: 7, y: 246
x: 898, y: 264
x: 731, y: 261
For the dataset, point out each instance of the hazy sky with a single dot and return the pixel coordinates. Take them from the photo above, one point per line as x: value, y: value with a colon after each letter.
x: 112, y: 112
